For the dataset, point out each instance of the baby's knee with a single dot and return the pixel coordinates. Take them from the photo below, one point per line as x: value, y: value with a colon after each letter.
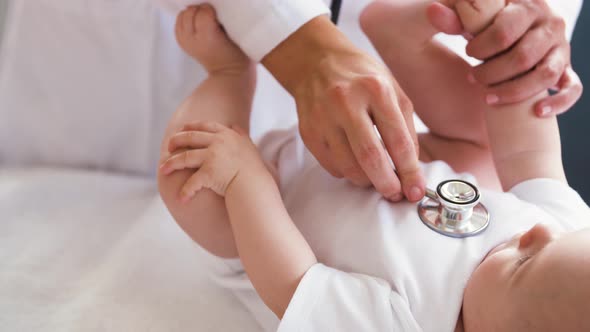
x: 476, y: 15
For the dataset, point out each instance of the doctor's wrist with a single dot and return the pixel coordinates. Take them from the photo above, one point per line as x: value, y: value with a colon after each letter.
x: 302, y: 53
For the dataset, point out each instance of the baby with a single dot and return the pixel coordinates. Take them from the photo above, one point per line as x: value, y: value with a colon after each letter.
x: 325, y: 255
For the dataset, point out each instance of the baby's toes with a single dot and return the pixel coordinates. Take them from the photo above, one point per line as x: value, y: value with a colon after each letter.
x: 185, y: 21
x: 205, y: 21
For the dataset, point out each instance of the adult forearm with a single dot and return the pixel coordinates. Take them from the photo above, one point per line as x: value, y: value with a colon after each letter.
x: 274, y: 253
x: 299, y: 56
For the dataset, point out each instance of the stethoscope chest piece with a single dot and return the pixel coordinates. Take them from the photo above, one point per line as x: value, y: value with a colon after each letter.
x: 454, y: 209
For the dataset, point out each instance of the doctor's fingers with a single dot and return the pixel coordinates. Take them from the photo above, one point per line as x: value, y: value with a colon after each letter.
x: 570, y: 90
x: 207, y: 126
x: 407, y: 109
x: 344, y: 158
x: 530, y: 50
x: 510, y: 24
x: 319, y: 146
x: 190, y: 140
x: 197, y: 182
x: 371, y: 155
x: 183, y: 160
x: 544, y: 76
x: 398, y: 137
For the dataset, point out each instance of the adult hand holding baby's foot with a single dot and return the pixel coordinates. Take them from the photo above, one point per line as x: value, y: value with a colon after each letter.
x: 524, y: 48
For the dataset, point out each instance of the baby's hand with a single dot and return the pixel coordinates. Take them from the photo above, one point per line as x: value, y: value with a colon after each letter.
x: 218, y: 153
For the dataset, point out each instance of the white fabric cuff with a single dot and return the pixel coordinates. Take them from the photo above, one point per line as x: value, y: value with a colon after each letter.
x: 327, y: 299
x: 282, y: 19
x: 301, y: 305
x: 541, y: 190
x: 257, y: 26
x: 557, y: 199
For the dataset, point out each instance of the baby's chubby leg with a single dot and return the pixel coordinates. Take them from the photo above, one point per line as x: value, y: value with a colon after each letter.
x: 396, y: 26
x: 224, y: 97
x: 405, y: 23
x: 435, y: 79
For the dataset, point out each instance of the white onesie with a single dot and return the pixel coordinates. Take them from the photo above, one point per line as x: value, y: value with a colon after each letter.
x: 380, y: 268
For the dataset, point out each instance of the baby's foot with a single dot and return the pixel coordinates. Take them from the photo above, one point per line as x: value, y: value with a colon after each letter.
x: 476, y: 15
x: 201, y: 36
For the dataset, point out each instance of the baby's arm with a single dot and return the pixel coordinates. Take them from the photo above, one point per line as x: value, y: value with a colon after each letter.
x: 523, y: 145
x: 274, y: 253
x: 435, y: 80
x: 204, y: 218
x: 463, y: 130
x: 226, y: 97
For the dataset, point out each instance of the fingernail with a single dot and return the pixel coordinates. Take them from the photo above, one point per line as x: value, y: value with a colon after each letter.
x: 471, y: 78
x: 545, y: 110
x: 397, y: 197
x: 492, y: 99
x: 415, y: 193
x: 468, y: 36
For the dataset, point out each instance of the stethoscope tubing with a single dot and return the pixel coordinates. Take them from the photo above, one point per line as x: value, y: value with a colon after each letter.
x: 335, y: 9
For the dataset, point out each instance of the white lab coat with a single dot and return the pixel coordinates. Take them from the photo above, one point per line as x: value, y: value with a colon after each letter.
x: 89, y: 83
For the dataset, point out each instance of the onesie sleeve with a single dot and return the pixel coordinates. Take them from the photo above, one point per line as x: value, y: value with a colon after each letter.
x: 258, y: 26
x: 557, y: 199
x: 331, y: 300
x: 229, y: 274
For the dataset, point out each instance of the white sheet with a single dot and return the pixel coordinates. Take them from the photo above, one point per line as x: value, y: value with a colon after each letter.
x: 83, y: 251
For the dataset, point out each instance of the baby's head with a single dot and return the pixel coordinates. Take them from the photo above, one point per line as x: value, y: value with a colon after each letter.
x: 538, y: 281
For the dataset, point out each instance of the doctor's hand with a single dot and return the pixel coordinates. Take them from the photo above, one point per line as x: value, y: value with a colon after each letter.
x: 525, y: 51
x: 341, y: 93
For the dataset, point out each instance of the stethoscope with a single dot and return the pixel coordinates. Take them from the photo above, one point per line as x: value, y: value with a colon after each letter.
x: 454, y: 209
x: 335, y: 9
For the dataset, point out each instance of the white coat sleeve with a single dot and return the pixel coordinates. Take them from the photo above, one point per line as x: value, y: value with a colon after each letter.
x: 331, y: 300
x: 258, y: 26
x: 569, y: 10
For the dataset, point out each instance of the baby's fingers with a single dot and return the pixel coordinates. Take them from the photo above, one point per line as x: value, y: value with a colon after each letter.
x: 190, y: 140
x: 208, y: 126
x: 194, y: 184
x: 183, y: 160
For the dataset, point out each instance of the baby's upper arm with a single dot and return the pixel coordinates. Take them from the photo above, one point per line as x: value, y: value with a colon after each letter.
x: 462, y: 156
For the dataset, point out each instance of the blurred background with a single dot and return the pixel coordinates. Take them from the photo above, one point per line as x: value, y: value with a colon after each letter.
x: 575, y: 125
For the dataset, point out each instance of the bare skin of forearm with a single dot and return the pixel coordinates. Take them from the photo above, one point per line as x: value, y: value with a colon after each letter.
x: 403, y: 38
x: 205, y: 218
x: 273, y: 251
x: 435, y: 80
x: 458, y: 133
x: 524, y: 146
x: 298, y: 56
